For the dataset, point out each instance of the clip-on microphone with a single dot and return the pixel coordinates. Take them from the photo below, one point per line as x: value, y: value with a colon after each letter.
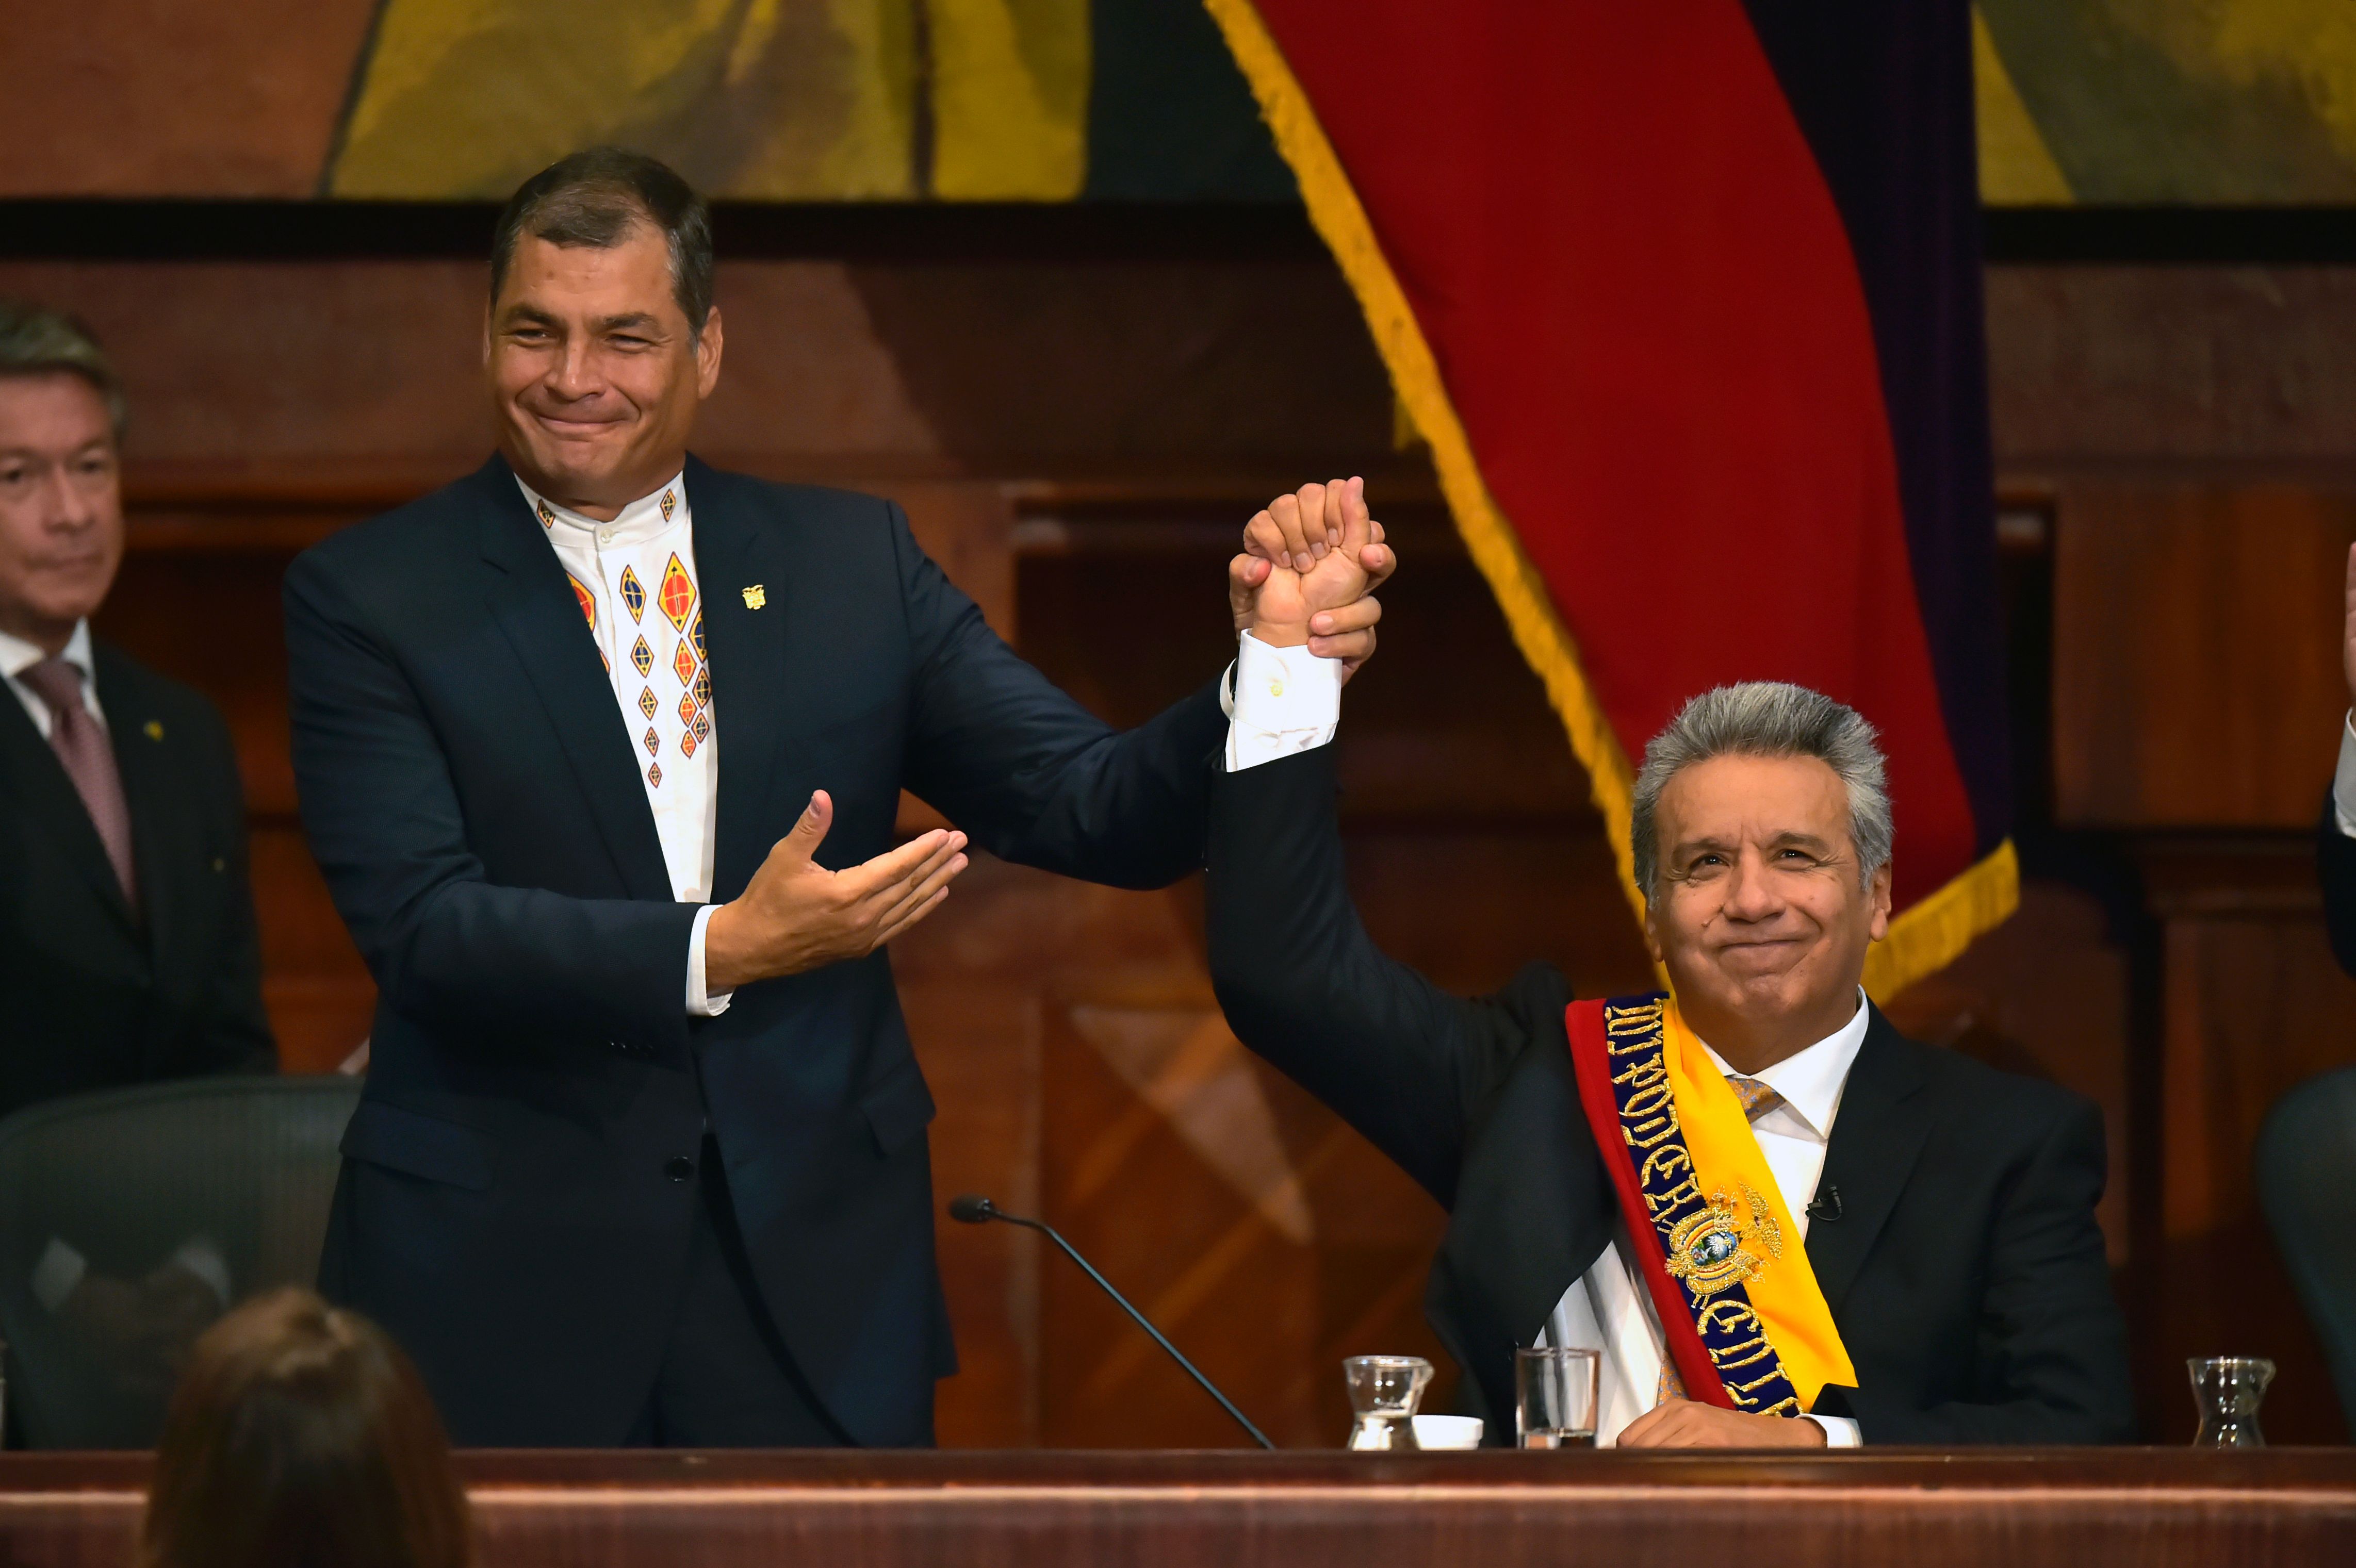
x: 975, y: 1210
x: 1827, y: 1206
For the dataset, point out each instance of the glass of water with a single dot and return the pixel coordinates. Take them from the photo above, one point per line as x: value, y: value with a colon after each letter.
x: 1554, y: 1398
x: 2229, y: 1388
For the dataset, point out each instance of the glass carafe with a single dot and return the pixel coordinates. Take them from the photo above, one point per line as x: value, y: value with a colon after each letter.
x: 2229, y: 1390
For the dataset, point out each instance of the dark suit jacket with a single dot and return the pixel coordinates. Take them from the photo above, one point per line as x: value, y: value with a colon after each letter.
x: 2335, y: 856
x: 473, y: 798
x: 1965, y: 1271
x: 96, y: 999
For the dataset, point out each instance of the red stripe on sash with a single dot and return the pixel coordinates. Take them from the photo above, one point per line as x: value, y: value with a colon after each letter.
x: 1590, y: 1061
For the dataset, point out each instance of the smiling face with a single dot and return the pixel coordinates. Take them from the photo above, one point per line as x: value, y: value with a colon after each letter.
x: 1759, y: 916
x: 594, y: 370
x: 60, y: 505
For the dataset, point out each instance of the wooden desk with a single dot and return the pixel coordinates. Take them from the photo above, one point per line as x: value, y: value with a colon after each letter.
x: 1301, y: 1510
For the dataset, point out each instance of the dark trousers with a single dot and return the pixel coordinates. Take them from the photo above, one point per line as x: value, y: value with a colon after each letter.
x: 727, y: 1380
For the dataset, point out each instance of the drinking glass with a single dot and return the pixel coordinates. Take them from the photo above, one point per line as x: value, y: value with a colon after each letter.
x: 2229, y: 1388
x: 1384, y: 1393
x: 1554, y: 1398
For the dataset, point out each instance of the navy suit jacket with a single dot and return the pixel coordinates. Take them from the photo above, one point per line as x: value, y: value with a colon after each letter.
x: 473, y: 794
x: 99, y: 998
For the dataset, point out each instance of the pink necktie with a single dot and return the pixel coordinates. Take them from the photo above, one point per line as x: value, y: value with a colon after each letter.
x: 89, y: 761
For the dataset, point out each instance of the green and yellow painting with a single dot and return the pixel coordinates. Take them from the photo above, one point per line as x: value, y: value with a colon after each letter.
x: 808, y: 100
x: 2207, y: 102
x: 2204, y: 102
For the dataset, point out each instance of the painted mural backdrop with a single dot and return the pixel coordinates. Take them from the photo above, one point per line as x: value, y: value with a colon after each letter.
x: 2206, y: 101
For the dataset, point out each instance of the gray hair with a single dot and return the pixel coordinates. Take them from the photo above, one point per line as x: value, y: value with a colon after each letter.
x: 596, y: 200
x: 37, y: 341
x: 1767, y: 719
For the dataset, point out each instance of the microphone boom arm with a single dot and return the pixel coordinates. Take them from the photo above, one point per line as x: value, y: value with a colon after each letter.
x: 974, y: 1211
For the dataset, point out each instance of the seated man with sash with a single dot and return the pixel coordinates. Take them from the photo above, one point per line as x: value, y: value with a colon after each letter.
x: 1780, y: 1220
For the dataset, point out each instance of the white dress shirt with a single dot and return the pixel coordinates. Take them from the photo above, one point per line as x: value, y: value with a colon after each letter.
x: 1284, y: 701
x: 634, y: 581
x: 17, y: 655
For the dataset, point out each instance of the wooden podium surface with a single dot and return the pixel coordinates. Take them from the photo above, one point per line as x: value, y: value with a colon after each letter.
x: 2076, y: 1509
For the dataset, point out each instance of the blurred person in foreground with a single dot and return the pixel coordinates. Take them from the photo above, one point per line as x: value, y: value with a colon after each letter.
x: 600, y: 750
x: 128, y: 951
x: 1781, y: 1224
x: 300, y: 1435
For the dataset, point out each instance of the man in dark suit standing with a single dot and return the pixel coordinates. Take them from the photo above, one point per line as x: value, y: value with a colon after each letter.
x: 1900, y: 1246
x: 127, y: 944
x: 600, y: 749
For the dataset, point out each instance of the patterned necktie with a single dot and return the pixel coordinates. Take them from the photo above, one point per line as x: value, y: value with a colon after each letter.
x: 1756, y: 1097
x: 89, y: 761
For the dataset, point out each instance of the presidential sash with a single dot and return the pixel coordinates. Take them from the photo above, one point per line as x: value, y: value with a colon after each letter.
x: 1745, y: 1324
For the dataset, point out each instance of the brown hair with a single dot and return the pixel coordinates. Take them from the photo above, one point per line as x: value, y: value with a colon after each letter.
x: 596, y: 200
x: 301, y: 1437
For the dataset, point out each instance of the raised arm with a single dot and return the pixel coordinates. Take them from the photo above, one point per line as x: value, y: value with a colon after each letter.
x: 2336, y: 836
x: 1035, y: 777
x: 1405, y: 1062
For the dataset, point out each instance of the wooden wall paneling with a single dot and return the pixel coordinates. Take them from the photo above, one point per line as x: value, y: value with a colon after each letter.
x: 2045, y: 994
x: 2254, y: 1004
x: 198, y: 599
x: 2197, y: 672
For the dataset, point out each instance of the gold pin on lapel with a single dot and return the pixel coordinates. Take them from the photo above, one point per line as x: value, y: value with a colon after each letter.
x: 153, y: 728
x: 755, y: 597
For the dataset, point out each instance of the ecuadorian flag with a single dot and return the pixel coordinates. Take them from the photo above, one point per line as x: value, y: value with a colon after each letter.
x: 1685, y: 299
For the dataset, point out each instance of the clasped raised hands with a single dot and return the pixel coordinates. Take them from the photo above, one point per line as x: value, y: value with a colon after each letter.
x: 1310, y: 566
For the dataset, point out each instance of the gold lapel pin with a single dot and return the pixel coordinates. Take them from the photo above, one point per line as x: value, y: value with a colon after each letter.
x: 755, y: 597
x: 153, y: 728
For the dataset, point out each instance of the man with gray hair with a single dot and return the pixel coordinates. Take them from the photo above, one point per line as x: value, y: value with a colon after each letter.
x: 128, y: 951
x: 1779, y: 1221
x: 128, y: 943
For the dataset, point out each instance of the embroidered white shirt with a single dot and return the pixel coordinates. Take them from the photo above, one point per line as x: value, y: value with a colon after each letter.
x: 634, y: 581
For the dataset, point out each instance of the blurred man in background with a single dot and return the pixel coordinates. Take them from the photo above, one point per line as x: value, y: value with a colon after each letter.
x: 128, y: 943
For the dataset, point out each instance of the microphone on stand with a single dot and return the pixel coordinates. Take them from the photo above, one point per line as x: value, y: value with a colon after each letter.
x: 973, y: 1209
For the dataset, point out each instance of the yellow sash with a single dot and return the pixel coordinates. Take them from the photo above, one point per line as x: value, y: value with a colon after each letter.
x: 1727, y: 1161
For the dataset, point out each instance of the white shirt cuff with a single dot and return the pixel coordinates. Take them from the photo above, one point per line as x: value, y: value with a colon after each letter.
x: 1840, y: 1432
x: 56, y: 1276
x: 201, y: 1258
x: 700, y: 1005
x: 2343, y: 783
x: 1286, y: 700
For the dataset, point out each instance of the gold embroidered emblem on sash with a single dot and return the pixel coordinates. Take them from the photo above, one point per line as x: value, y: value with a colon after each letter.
x: 1721, y: 1247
